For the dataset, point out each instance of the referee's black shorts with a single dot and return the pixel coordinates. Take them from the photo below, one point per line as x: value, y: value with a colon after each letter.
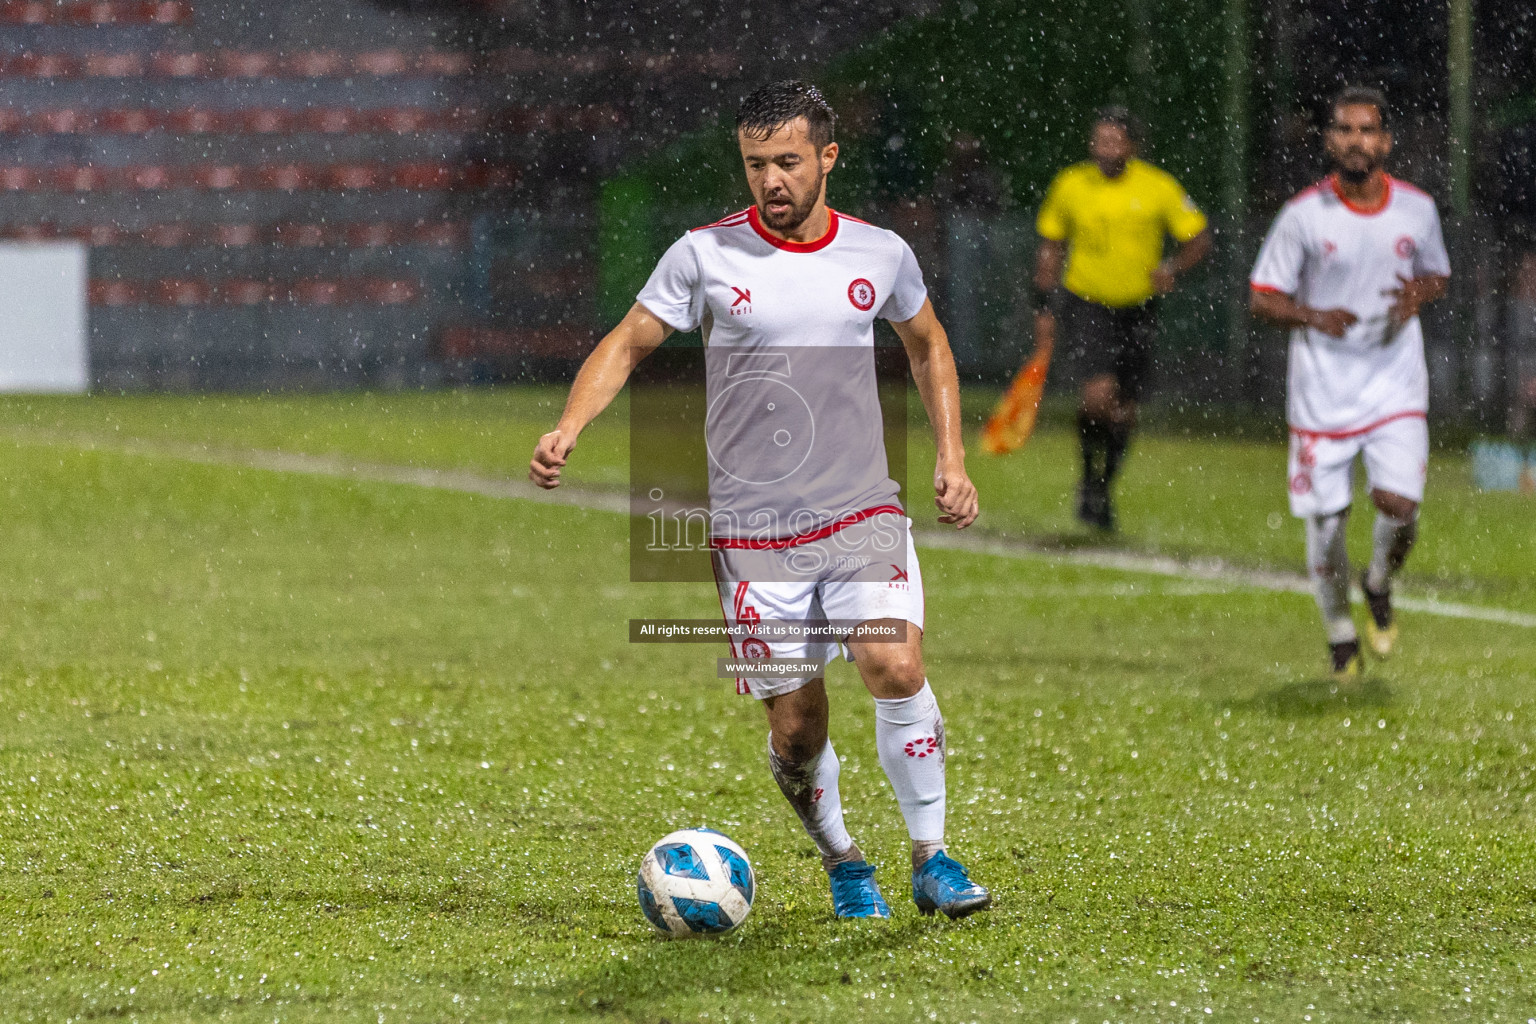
x: 1112, y: 340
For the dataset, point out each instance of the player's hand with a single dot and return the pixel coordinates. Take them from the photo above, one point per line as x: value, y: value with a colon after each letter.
x: 955, y: 496
x: 548, y: 457
x: 1407, y: 297
x: 1163, y: 279
x: 1332, y: 322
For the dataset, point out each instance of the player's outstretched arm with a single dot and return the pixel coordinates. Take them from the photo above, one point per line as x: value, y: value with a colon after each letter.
x: 933, y: 369
x: 1284, y: 311
x: 601, y: 377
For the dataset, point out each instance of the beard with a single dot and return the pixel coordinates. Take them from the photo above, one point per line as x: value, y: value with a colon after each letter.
x: 1356, y: 175
x: 798, y: 210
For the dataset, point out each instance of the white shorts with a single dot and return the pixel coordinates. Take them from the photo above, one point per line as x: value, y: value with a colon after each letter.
x: 1321, y: 465
x: 876, y: 582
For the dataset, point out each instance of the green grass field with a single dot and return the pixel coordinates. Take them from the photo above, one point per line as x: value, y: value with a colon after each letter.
x: 285, y: 747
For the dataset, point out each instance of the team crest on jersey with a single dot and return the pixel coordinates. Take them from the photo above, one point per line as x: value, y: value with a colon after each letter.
x: 755, y: 649
x: 862, y: 294
x: 741, y: 301
x: 1404, y: 247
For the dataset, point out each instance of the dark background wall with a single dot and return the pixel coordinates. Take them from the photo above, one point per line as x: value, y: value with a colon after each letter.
x: 401, y: 192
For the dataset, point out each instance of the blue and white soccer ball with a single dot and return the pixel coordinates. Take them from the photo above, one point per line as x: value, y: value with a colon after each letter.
x: 696, y: 882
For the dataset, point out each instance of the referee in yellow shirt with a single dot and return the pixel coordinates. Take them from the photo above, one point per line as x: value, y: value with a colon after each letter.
x: 1105, y: 220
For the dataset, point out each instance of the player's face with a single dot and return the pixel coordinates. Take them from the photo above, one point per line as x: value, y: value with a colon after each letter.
x: 786, y: 173
x: 1357, y: 141
x: 1110, y: 147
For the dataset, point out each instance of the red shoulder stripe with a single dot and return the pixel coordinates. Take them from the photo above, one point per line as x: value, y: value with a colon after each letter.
x: 1309, y: 190
x: 1408, y: 188
x: 728, y: 221
x: 854, y: 219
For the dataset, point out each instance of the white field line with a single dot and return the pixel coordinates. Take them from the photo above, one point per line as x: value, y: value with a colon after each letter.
x: 467, y: 482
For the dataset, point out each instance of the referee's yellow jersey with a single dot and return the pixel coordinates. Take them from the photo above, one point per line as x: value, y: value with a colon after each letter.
x: 1114, y: 228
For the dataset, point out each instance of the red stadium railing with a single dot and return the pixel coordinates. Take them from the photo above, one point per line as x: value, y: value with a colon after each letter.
x: 254, y: 292
x: 100, y: 12
x: 374, y: 63
x: 418, y: 176
x: 323, y: 120
x: 355, y: 235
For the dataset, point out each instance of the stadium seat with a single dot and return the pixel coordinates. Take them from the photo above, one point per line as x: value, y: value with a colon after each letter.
x: 370, y: 235
x: 217, y: 177
x: 146, y: 178
x: 176, y: 292
x: 353, y: 176
x: 234, y: 236
x: 170, y: 235
x: 382, y: 62
x: 113, y: 65
x: 180, y: 65
x: 304, y: 236
x: 244, y: 292
x: 129, y: 122
x: 116, y: 293
x: 315, y: 64
x: 69, y: 178
x: 330, y: 120
x: 378, y: 291
x: 423, y: 176
x: 284, y: 177
x: 102, y: 234
x: 261, y: 121
x: 193, y: 121
x: 245, y: 64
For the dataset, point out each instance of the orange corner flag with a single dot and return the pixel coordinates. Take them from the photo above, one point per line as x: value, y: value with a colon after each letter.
x: 1013, y: 420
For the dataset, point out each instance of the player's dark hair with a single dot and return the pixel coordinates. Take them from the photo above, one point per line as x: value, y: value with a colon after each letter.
x: 773, y: 106
x: 1122, y: 118
x: 1362, y: 95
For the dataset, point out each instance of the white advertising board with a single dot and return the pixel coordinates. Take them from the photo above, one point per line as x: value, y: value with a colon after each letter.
x: 43, y: 292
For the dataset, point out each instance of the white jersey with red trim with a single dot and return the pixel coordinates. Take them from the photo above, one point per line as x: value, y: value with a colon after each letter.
x: 1327, y: 253
x: 794, y: 430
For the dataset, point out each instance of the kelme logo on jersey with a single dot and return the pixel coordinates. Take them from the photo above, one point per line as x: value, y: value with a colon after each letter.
x: 862, y: 294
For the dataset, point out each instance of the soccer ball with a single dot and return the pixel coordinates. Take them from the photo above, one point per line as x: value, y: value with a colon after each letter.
x: 696, y: 882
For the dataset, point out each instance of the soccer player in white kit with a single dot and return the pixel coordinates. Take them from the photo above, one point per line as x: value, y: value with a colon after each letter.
x: 1347, y: 265
x: 787, y: 272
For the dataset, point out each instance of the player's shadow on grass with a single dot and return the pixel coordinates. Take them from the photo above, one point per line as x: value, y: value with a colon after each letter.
x: 1319, y: 696
x: 656, y: 967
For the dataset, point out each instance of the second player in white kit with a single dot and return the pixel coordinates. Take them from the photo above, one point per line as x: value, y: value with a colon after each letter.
x: 1346, y: 265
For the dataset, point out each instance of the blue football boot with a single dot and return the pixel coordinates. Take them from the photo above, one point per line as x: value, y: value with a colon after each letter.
x: 855, y: 892
x: 942, y: 884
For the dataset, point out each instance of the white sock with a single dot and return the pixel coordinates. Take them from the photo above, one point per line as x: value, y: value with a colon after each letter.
x: 1391, y: 540
x: 909, y: 734
x: 1328, y: 566
x: 811, y: 789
